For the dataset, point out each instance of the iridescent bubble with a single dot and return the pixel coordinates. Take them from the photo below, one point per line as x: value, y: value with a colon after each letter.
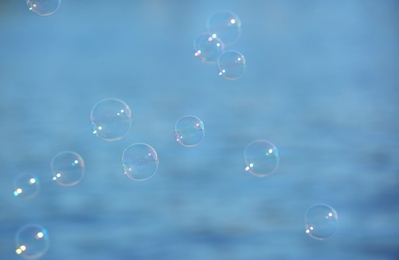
x: 189, y: 131
x: 67, y: 168
x: 232, y: 65
x: 43, y: 7
x: 26, y: 186
x: 208, y: 48
x: 139, y: 161
x: 320, y: 221
x: 226, y: 26
x: 32, y: 241
x: 261, y: 158
x: 111, y: 119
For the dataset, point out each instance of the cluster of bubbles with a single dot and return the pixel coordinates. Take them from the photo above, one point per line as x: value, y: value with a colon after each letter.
x: 223, y: 30
x: 111, y: 120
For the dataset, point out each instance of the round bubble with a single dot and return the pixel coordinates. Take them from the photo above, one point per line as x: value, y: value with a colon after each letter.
x: 320, y: 221
x: 67, y: 168
x: 32, y: 241
x: 43, y: 7
x: 232, y: 65
x: 26, y: 186
x: 226, y: 26
x: 261, y: 158
x: 189, y: 131
x: 111, y: 119
x: 208, y: 48
x: 139, y: 161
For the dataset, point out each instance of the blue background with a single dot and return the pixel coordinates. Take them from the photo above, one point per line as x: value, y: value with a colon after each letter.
x: 321, y: 84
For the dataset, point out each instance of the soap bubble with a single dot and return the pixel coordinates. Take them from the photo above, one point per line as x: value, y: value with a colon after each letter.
x: 189, y: 131
x: 139, y: 161
x: 32, y: 241
x: 43, y: 7
x: 67, y: 168
x: 261, y: 158
x: 226, y: 26
x: 320, y: 221
x: 208, y: 48
x: 26, y: 186
x: 232, y: 65
x: 111, y: 119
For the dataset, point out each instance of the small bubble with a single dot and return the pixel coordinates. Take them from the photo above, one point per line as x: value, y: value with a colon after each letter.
x: 226, y: 26
x: 261, y: 158
x: 189, y: 131
x: 111, y: 119
x: 321, y: 221
x: 232, y: 65
x: 208, y: 48
x: 26, y: 186
x: 43, y: 7
x: 139, y: 161
x: 32, y: 241
x: 67, y: 168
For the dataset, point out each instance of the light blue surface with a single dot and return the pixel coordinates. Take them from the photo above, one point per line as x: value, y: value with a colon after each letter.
x: 321, y: 84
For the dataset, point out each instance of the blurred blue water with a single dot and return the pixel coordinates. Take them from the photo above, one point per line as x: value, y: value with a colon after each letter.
x: 321, y: 84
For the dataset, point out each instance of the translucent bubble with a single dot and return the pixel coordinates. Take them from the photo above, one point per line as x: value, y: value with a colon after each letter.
x: 67, y: 168
x: 43, y: 7
x: 139, y: 161
x: 226, y: 26
x: 111, y: 119
x: 32, y: 241
x: 231, y: 65
x: 208, y: 48
x: 261, y: 158
x: 26, y: 186
x: 189, y: 131
x: 321, y: 221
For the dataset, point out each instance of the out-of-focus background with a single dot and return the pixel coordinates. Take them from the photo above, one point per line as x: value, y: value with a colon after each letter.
x: 321, y: 84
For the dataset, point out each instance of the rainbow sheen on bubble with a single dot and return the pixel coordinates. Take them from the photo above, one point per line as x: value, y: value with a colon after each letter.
x: 32, y: 241
x: 226, y: 26
x: 26, y: 186
x: 321, y: 221
x: 208, y: 48
x: 139, y: 161
x: 261, y: 158
x: 189, y: 131
x: 232, y: 65
x: 111, y: 119
x: 67, y: 168
x: 43, y: 7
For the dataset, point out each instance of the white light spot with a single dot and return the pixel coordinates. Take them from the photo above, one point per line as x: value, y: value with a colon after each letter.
x: 233, y: 21
x: 32, y: 181
x: 39, y: 235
